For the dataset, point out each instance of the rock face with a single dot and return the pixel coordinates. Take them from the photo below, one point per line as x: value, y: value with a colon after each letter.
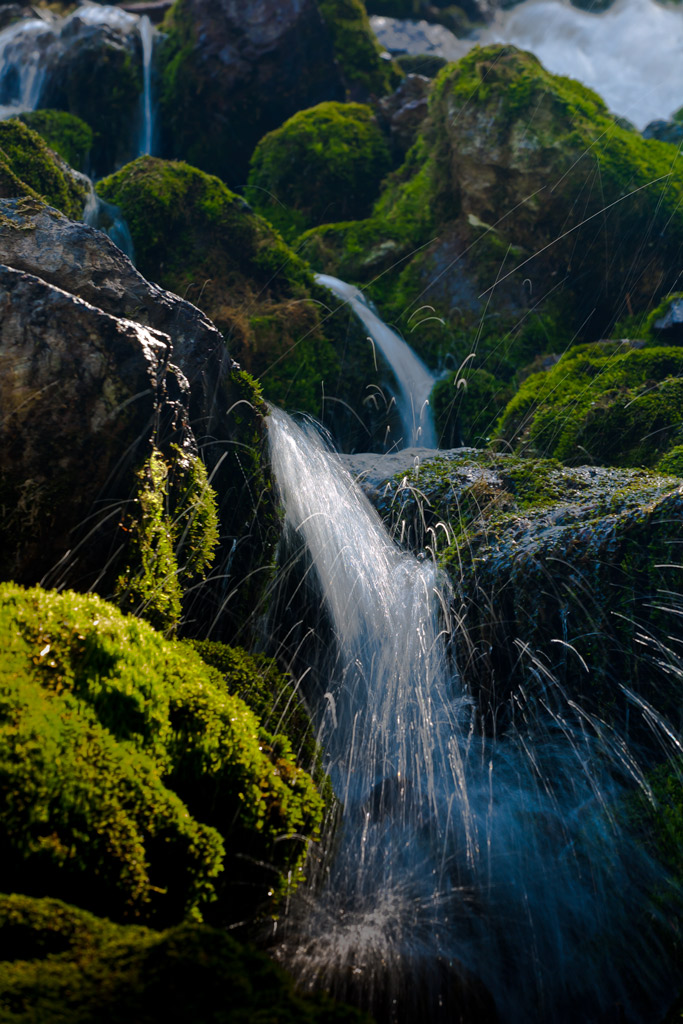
x: 404, y: 111
x: 82, y: 393
x: 90, y: 392
x: 558, y: 576
x: 253, y: 66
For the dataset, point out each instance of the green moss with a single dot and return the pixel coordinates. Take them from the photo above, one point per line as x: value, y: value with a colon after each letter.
x: 672, y: 461
x: 173, y: 532
x: 427, y: 64
x: 607, y: 403
x: 356, y: 49
x: 65, y: 133
x: 466, y: 406
x: 196, y: 237
x: 323, y: 164
x: 106, y: 729
x: 61, y: 965
x: 29, y: 168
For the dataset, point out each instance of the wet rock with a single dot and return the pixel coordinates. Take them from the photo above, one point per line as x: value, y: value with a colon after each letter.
x: 86, y: 263
x: 82, y: 395
x: 670, y: 326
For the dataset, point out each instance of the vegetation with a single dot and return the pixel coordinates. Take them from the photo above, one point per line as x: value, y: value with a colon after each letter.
x: 134, y: 783
x: 60, y: 964
x: 608, y: 404
x: 322, y: 164
x: 356, y: 49
x: 65, y: 133
x: 29, y: 168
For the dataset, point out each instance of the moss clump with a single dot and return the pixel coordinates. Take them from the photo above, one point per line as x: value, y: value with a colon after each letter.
x: 196, y: 237
x: 356, y: 49
x: 607, y: 403
x: 427, y: 64
x: 29, y: 168
x: 323, y: 164
x: 173, y: 532
x: 61, y: 965
x: 106, y: 729
x: 65, y: 133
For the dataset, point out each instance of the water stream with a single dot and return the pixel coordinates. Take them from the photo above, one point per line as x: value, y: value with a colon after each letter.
x: 414, y: 381
x: 468, y: 870
x: 146, y: 30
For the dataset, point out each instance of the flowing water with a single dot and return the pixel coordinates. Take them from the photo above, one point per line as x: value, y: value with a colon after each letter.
x: 468, y: 869
x: 146, y: 30
x: 23, y: 48
x: 630, y: 54
x: 414, y: 381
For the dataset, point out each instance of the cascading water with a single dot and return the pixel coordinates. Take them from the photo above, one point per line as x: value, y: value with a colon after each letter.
x: 630, y: 54
x: 467, y: 868
x: 23, y: 47
x: 146, y: 30
x: 414, y: 380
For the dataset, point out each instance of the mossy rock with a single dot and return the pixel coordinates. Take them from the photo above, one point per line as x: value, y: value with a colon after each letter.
x: 135, y: 783
x: 60, y: 964
x: 28, y: 167
x: 366, y: 71
x: 323, y: 164
x: 518, y: 184
x: 611, y: 403
x: 64, y: 133
x: 558, y: 576
x: 196, y: 237
x: 467, y: 405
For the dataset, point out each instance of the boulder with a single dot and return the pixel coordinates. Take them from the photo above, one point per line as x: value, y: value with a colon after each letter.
x: 404, y: 111
x: 230, y: 74
x: 29, y: 168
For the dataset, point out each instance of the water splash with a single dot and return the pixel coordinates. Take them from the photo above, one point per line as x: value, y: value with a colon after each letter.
x: 468, y: 869
x: 414, y: 380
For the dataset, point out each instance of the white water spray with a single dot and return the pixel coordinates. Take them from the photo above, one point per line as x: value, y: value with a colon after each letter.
x: 629, y: 54
x: 466, y: 867
x: 23, y: 48
x: 414, y: 380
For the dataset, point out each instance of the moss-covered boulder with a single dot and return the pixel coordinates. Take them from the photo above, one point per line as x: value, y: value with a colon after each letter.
x: 466, y: 406
x: 322, y: 164
x: 134, y: 782
x: 366, y: 70
x: 195, y: 236
x: 611, y: 403
x: 562, y: 578
x: 64, y: 133
x: 61, y: 964
x: 500, y: 218
x: 29, y: 168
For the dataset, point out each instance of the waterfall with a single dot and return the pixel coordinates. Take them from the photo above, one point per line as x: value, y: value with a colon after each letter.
x: 414, y: 380
x: 642, y: 36
x: 468, y: 869
x: 23, y: 47
x: 108, y: 218
x: 146, y: 30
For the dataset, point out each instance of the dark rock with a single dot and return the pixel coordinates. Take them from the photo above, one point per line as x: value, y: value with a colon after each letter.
x: 155, y: 9
x: 82, y: 394
x: 253, y: 67
x: 83, y: 261
x: 404, y: 111
x: 665, y: 131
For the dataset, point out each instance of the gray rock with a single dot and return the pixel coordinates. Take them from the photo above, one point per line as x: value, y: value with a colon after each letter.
x: 670, y: 326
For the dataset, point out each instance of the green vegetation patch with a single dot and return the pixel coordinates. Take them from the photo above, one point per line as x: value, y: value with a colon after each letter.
x: 323, y: 164
x: 65, y: 133
x: 28, y: 167
x: 61, y: 965
x: 107, y: 727
x: 356, y: 49
x: 609, y: 403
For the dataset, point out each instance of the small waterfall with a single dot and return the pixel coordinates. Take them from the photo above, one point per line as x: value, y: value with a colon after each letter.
x: 23, y: 48
x: 468, y: 870
x: 146, y: 30
x: 414, y: 380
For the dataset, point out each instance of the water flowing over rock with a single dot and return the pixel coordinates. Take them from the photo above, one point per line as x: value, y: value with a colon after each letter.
x: 457, y: 849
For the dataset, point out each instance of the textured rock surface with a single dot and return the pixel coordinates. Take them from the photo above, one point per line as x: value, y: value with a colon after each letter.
x: 81, y: 393
x: 404, y: 111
